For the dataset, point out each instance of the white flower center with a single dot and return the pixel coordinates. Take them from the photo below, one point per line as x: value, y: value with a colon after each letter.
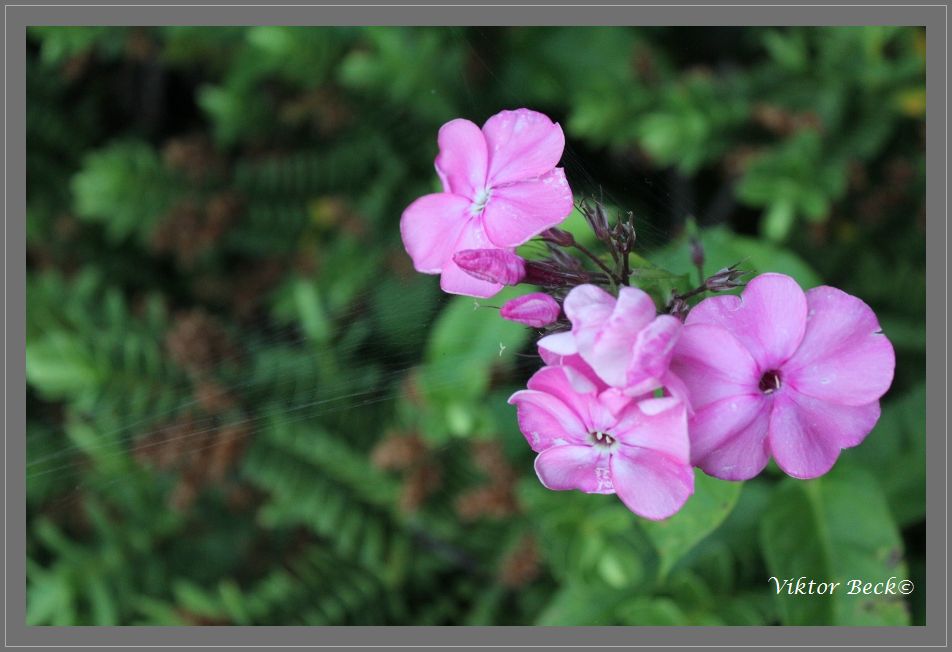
x: 480, y: 201
x: 602, y: 440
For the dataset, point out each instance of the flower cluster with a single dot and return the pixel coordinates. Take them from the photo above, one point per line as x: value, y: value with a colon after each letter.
x: 629, y: 400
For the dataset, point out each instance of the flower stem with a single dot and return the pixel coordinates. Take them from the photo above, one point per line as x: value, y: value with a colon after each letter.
x: 598, y: 262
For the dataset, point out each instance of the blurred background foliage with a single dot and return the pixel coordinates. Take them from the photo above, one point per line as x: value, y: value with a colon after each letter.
x: 245, y: 407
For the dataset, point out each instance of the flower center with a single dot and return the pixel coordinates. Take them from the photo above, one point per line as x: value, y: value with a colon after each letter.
x: 480, y: 201
x: 770, y: 382
x: 602, y: 439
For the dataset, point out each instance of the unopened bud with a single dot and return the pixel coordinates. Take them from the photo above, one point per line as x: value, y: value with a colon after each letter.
x: 559, y: 237
x: 535, y: 310
x: 726, y: 278
x: 624, y: 233
x: 697, y: 253
x: 678, y: 307
x: 598, y: 220
x: 560, y: 259
x: 550, y: 274
x: 492, y: 265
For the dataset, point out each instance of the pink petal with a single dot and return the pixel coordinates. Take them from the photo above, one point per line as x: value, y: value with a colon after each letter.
x: 676, y: 388
x: 658, y: 424
x: 844, y: 357
x: 454, y: 280
x: 589, y: 302
x: 570, y: 387
x: 546, y: 421
x: 712, y: 364
x: 768, y: 318
x: 651, y: 354
x: 574, y: 467
x: 806, y: 435
x: 573, y: 361
x: 606, y: 329
x: 651, y: 484
x: 557, y: 344
x: 431, y: 227
x: 614, y: 401
x: 522, y: 144
x: 729, y: 437
x: 463, y: 159
x: 519, y: 211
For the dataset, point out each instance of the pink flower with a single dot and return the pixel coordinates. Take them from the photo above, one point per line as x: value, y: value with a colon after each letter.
x: 535, y: 309
x: 781, y: 372
x: 604, y: 442
x: 494, y: 265
x: 624, y: 340
x: 501, y: 188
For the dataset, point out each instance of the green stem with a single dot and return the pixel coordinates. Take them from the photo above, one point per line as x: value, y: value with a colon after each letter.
x: 598, y: 262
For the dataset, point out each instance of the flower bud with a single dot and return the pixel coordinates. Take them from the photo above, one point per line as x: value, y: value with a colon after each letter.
x: 550, y: 274
x: 624, y: 235
x: 492, y: 265
x: 726, y: 278
x: 678, y: 307
x: 697, y: 253
x: 559, y: 237
x: 535, y: 310
x: 598, y: 220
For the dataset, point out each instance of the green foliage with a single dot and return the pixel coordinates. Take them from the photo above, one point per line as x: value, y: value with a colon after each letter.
x: 896, y: 452
x: 87, y: 349
x: 711, y: 503
x: 245, y: 406
x: 59, y: 45
x: 124, y: 187
x: 692, y: 123
x: 837, y: 528
x: 723, y: 248
x: 796, y: 179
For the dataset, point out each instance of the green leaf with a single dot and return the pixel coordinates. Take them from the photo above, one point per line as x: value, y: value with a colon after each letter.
x: 653, y: 611
x: 193, y: 598
x: 788, y: 48
x: 58, y: 366
x: 581, y: 604
x: 723, y: 248
x: 590, y: 538
x: 778, y: 220
x: 123, y: 186
x: 314, y: 319
x: 468, y: 340
x: 49, y: 597
x: 896, y: 452
x: 834, y: 529
x: 104, y: 607
x: 711, y: 503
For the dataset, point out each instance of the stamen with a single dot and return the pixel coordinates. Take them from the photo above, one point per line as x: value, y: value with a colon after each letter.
x: 770, y: 382
x: 480, y: 201
x: 600, y: 438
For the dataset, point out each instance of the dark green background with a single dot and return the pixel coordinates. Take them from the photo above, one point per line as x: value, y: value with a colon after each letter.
x: 244, y: 407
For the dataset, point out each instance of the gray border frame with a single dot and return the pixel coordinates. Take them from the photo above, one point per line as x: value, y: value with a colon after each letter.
x: 16, y: 17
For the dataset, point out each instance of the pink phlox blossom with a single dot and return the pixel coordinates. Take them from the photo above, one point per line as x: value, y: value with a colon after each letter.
x: 624, y: 340
x: 597, y: 440
x: 501, y: 187
x: 783, y: 373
